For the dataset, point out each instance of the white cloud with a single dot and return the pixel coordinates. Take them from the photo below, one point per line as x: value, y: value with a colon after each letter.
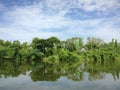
x: 15, y: 33
x: 87, y: 5
x: 100, y: 5
x: 99, y: 28
x: 27, y: 22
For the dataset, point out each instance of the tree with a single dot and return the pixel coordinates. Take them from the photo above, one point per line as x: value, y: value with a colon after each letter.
x: 16, y: 46
x: 3, y: 52
x: 1, y: 42
x: 63, y: 55
x: 45, y: 45
x: 74, y: 44
x: 93, y: 43
x: 53, y: 41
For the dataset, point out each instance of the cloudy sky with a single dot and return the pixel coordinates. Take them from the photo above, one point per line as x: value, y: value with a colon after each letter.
x: 24, y: 19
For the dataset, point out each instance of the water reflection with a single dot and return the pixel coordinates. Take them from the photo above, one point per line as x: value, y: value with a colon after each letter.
x: 43, y: 72
x: 72, y: 76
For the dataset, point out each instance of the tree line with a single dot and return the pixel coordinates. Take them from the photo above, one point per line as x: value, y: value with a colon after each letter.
x: 54, y: 51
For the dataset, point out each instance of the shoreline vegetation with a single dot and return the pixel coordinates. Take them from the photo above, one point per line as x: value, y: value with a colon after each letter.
x: 48, y: 59
x: 54, y: 51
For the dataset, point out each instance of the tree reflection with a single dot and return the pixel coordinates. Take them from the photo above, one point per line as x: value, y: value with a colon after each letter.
x: 50, y: 72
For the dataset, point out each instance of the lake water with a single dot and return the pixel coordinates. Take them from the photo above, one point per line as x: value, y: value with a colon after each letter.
x: 25, y: 77
x: 24, y: 82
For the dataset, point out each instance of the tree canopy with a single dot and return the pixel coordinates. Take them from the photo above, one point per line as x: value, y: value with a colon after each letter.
x: 55, y: 51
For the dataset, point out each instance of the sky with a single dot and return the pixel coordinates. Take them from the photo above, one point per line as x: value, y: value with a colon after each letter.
x: 25, y: 19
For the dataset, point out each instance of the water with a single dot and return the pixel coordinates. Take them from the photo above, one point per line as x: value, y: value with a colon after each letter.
x: 52, y: 77
x: 24, y: 82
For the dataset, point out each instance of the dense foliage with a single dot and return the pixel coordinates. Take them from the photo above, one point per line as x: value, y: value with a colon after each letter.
x: 54, y: 51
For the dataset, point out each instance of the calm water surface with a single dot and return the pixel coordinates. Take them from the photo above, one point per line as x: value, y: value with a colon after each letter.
x: 24, y: 82
x: 26, y: 77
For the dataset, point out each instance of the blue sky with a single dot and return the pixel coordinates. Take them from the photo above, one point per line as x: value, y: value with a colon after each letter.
x: 25, y: 19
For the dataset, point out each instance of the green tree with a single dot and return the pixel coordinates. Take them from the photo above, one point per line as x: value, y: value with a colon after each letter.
x: 93, y: 43
x: 74, y: 44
